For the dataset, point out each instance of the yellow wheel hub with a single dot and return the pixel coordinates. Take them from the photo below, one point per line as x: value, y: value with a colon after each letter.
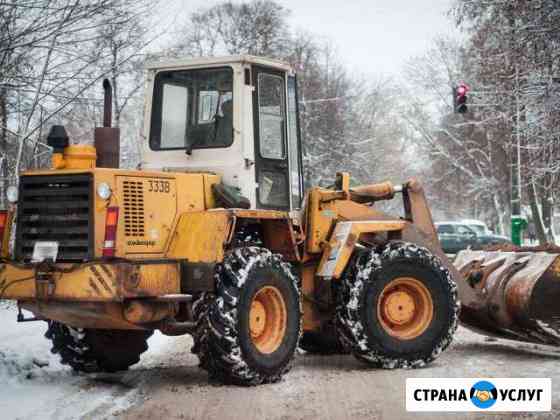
x: 405, y: 308
x: 268, y: 319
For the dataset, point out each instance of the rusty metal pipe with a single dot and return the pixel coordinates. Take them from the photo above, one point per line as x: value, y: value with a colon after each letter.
x: 373, y: 192
x: 171, y: 327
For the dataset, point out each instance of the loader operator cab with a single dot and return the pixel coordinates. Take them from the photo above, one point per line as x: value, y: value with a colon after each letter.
x: 234, y: 116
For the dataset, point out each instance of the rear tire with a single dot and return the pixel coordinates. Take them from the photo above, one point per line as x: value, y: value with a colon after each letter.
x: 248, y: 332
x: 399, y: 308
x: 97, y: 350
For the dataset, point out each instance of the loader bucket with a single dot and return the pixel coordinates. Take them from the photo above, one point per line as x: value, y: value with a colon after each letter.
x: 511, y: 294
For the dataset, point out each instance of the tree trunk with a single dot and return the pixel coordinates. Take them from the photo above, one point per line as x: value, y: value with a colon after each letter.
x: 537, y: 219
x: 3, y: 147
x: 498, y: 208
x: 114, y: 74
x: 3, y: 119
x: 546, y: 205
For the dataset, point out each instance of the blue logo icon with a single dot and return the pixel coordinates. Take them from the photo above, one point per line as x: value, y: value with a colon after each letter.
x: 483, y: 394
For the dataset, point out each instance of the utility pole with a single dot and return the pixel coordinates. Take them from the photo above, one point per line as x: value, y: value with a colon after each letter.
x: 518, y: 222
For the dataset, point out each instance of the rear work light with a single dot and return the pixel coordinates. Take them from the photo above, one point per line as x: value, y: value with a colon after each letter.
x: 3, y: 223
x: 111, y: 221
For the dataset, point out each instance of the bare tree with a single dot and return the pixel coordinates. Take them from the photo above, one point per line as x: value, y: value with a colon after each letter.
x: 125, y: 34
x: 258, y: 28
x: 515, y: 54
x: 53, y: 54
x: 40, y: 58
x: 466, y: 162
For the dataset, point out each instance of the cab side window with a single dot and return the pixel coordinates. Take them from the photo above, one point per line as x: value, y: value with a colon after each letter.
x: 271, y: 116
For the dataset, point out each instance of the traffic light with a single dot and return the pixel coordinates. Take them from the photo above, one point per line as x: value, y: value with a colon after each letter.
x: 460, y: 98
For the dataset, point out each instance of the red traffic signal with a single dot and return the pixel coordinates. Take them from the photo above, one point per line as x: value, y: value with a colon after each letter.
x: 460, y: 98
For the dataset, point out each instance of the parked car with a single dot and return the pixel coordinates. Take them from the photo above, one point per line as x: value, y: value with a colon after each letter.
x: 473, y: 234
x: 455, y: 237
x: 485, y: 236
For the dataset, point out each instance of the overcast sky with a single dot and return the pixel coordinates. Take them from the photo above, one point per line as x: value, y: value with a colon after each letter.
x: 372, y: 36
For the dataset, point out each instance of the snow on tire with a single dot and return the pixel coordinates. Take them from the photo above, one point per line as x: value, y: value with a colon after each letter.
x: 382, y: 322
x: 93, y: 350
x: 233, y: 344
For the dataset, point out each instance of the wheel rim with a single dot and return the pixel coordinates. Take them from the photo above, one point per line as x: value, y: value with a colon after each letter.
x: 405, y: 308
x: 267, y: 319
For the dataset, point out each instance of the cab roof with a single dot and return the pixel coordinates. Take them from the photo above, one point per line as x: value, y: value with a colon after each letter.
x: 215, y: 61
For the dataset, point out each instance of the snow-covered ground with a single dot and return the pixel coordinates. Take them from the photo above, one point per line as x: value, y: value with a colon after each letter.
x: 167, y: 383
x: 34, y: 385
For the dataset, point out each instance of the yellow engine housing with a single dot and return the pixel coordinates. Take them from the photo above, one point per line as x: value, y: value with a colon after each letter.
x: 76, y: 156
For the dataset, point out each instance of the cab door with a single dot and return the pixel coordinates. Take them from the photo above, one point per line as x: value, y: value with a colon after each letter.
x: 294, y: 145
x: 271, y: 135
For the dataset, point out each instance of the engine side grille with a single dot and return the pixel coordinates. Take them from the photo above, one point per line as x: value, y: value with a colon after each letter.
x: 56, y: 208
x: 133, y: 192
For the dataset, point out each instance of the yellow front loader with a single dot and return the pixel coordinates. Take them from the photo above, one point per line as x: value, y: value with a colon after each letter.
x: 212, y: 236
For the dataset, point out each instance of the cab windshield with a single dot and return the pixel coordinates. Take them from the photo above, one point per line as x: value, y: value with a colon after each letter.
x: 192, y: 109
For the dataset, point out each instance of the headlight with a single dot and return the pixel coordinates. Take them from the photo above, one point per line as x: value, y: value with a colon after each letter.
x: 104, y: 191
x: 12, y: 194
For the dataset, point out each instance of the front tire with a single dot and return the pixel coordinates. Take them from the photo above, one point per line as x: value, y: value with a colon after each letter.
x: 248, y: 332
x: 97, y: 350
x: 397, y: 308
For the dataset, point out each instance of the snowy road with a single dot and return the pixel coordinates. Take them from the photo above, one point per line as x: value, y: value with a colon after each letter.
x: 29, y: 391
x: 167, y: 384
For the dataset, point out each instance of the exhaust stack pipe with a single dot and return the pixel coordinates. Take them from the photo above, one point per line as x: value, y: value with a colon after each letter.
x: 107, y: 139
x: 107, y: 103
